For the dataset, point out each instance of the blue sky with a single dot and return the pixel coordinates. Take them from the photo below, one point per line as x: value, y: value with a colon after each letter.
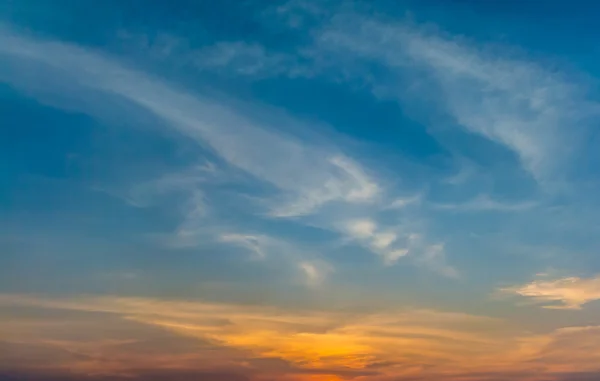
x: 301, y: 159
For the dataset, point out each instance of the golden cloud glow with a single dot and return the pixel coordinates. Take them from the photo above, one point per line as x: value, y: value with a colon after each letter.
x: 303, y: 345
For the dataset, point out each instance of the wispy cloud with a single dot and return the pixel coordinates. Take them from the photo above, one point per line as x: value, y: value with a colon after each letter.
x: 299, y: 175
x: 311, y: 268
x: 483, y: 203
x: 393, y: 243
x: 349, y: 184
x: 514, y: 102
x: 444, y: 345
x: 318, y: 341
x: 321, y: 174
x: 490, y: 91
x: 243, y: 58
x: 254, y: 244
x: 381, y: 242
x: 250, y: 60
x: 315, y: 271
x: 570, y: 292
x: 145, y: 193
x: 403, y: 202
x: 434, y: 257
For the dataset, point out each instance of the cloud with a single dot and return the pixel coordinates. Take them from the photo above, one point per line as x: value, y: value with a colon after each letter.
x: 250, y: 60
x: 565, y: 350
x: 297, y: 176
x: 321, y: 174
x: 393, y: 244
x: 484, y: 203
x: 125, y: 336
x: 383, y: 240
x: 254, y: 244
x: 362, y: 228
x: 507, y: 98
x: 379, y: 241
x: 350, y: 185
x: 403, y: 202
x: 315, y: 272
x: 514, y: 102
x: 571, y: 292
x: 434, y: 256
x: 319, y: 342
x: 190, y: 180
x: 241, y: 57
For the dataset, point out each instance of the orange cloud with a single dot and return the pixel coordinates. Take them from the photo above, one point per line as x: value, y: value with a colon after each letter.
x: 294, y: 345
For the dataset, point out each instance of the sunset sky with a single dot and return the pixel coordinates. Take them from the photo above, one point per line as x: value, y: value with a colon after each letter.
x: 245, y: 190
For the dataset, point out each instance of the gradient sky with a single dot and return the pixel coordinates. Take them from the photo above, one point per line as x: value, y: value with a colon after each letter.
x: 244, y: 190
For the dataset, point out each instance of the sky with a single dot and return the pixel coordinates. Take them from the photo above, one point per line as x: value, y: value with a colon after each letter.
x: 245, y: 190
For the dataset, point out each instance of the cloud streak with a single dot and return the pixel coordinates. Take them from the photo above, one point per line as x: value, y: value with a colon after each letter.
x: 299, y: 176
x: 320, y: 342
x: 484, y: 203
x: 514, y: 102
x: 570, y: 292
x: 539, y: 114
x: 272, y: 342
x: 320, y: 175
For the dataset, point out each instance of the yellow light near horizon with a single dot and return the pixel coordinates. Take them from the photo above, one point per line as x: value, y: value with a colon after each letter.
x: 314, y: 350
x: 323, y: 377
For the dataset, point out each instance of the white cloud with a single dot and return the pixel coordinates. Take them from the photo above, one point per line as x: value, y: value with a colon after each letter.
x: 374, y: 239
x: 384, y: 240
x: 315, y: 272
x: 255, y: 244
x: 485, y: 203
x: 392, y: 245
x: 146, y: 193
x: 393, y: 255
x: 434, y: 257
x: 361, y: 228
x: 571, y: 292
x: 403, y: 202
x: 242, y: 58
x: 307, y: 174
x: 365, y: 189
x: 514, y: 102
x: 301, y: 175
x: 348, y: 183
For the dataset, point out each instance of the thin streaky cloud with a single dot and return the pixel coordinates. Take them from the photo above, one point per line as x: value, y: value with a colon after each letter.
x: 320, y: 175
x: 254, y: 244
x: 514, y: 102
x: 404, y: 202
x: 484, y: 203
x: 312, y: 269
x: 325, y: 341
x: 561, y: 293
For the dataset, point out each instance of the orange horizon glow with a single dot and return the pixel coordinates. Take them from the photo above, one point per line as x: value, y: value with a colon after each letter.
x: 308, y: 346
